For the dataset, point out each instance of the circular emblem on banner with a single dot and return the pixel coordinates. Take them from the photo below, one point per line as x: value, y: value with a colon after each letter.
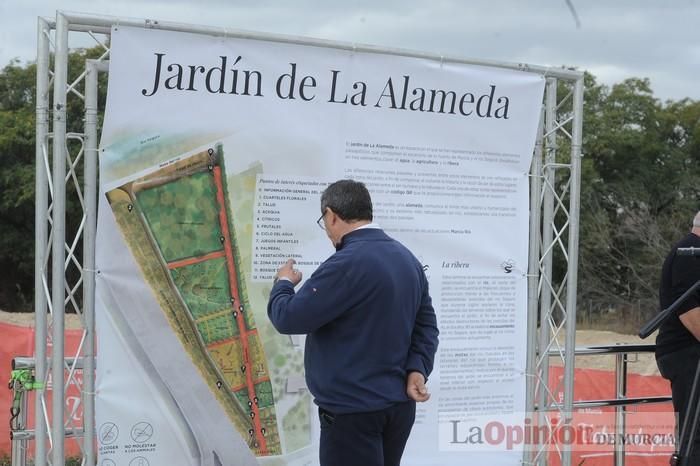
x: 108, y: 433
x: 141, y: 432
x: 139, y: 461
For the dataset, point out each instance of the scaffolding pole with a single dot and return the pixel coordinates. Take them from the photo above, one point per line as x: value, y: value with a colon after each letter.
x: 533, y: 272
x: 41, y: 249
x: 92, y: 68
x: 58, y: 230
x: 572, y: 271
x: 546, y: 277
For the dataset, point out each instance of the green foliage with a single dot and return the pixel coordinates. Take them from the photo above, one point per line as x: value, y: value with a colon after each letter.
x: 16, y: 182
x: 639, y: 193
x: 17, y: 169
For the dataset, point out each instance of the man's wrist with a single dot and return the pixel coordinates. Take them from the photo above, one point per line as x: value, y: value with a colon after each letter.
x: 278, y: 278
x: 410, y: 371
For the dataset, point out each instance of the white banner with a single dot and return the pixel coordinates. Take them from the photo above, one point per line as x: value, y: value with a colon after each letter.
x: 214, y: 154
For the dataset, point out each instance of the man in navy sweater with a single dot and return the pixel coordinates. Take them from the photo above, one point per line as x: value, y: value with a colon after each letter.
x: 372, y: 333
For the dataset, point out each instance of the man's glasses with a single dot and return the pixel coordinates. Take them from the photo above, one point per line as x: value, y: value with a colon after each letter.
x: 321, y: 224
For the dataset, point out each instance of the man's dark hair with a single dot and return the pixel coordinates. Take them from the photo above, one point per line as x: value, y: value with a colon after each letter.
x: 349, y: 199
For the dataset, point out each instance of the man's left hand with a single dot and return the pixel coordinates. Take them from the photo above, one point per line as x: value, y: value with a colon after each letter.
x: 415, y: 387
x: 288, y: 272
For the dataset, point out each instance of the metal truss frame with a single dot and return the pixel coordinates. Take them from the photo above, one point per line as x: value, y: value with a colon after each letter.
x: 554, y: 213
x: 553, y: 268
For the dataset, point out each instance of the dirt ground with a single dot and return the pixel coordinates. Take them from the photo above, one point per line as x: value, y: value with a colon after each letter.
x: 26, y: 319
x: 643, y: 363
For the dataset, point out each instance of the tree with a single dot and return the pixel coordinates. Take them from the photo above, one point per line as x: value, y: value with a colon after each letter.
x: 17, y: 169
x: 17, y: 85
x: 639, y: 192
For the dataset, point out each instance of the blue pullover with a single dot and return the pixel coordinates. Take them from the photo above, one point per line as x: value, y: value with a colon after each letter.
x: 369, y: 320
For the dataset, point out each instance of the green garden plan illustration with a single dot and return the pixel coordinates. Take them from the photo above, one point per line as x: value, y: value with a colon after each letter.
x: 178, y: 224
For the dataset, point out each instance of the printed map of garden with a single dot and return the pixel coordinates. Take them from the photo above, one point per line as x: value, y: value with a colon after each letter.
x: 177, y: 223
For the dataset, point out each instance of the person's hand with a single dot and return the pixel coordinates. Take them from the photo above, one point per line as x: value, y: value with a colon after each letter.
x: 415, y: 387
x: 288, y: 272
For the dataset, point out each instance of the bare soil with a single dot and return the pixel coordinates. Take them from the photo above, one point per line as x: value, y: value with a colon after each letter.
x: 642, y: 363
x: 26, y: 319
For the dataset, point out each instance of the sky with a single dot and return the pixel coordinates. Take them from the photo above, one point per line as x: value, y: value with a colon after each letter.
x: 614, y: 39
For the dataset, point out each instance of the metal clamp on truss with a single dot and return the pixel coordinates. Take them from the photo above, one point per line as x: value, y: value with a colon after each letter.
x: 21, y: 381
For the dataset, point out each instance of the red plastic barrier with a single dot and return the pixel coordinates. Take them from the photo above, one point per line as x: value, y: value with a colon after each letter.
x: 16, y: 341
x: 650, y: 428
x: 589, y: 385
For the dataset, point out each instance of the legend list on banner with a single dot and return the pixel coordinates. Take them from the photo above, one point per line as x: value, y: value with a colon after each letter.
x: 285, y: 207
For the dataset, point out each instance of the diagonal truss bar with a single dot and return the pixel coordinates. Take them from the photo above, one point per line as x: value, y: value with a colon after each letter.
x: 81, y: 77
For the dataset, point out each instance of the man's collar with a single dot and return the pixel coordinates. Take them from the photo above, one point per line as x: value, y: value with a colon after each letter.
x: 368, y: 226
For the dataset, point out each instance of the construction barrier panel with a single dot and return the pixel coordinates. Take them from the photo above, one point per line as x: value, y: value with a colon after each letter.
x: 17, y: 341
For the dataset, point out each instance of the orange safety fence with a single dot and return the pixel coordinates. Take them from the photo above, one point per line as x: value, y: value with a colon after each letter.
x: 647, y: 435
x: 17, y: 341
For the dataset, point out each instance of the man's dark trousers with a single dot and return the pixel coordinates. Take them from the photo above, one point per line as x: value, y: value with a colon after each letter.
x: 679, y: 367
x: 375, y: 438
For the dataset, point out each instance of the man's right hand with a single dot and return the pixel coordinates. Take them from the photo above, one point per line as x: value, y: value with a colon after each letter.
x: 415, y: 387
x: 288, y: 272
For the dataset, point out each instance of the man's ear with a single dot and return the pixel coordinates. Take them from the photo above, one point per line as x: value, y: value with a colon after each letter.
x: 332, y: 217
